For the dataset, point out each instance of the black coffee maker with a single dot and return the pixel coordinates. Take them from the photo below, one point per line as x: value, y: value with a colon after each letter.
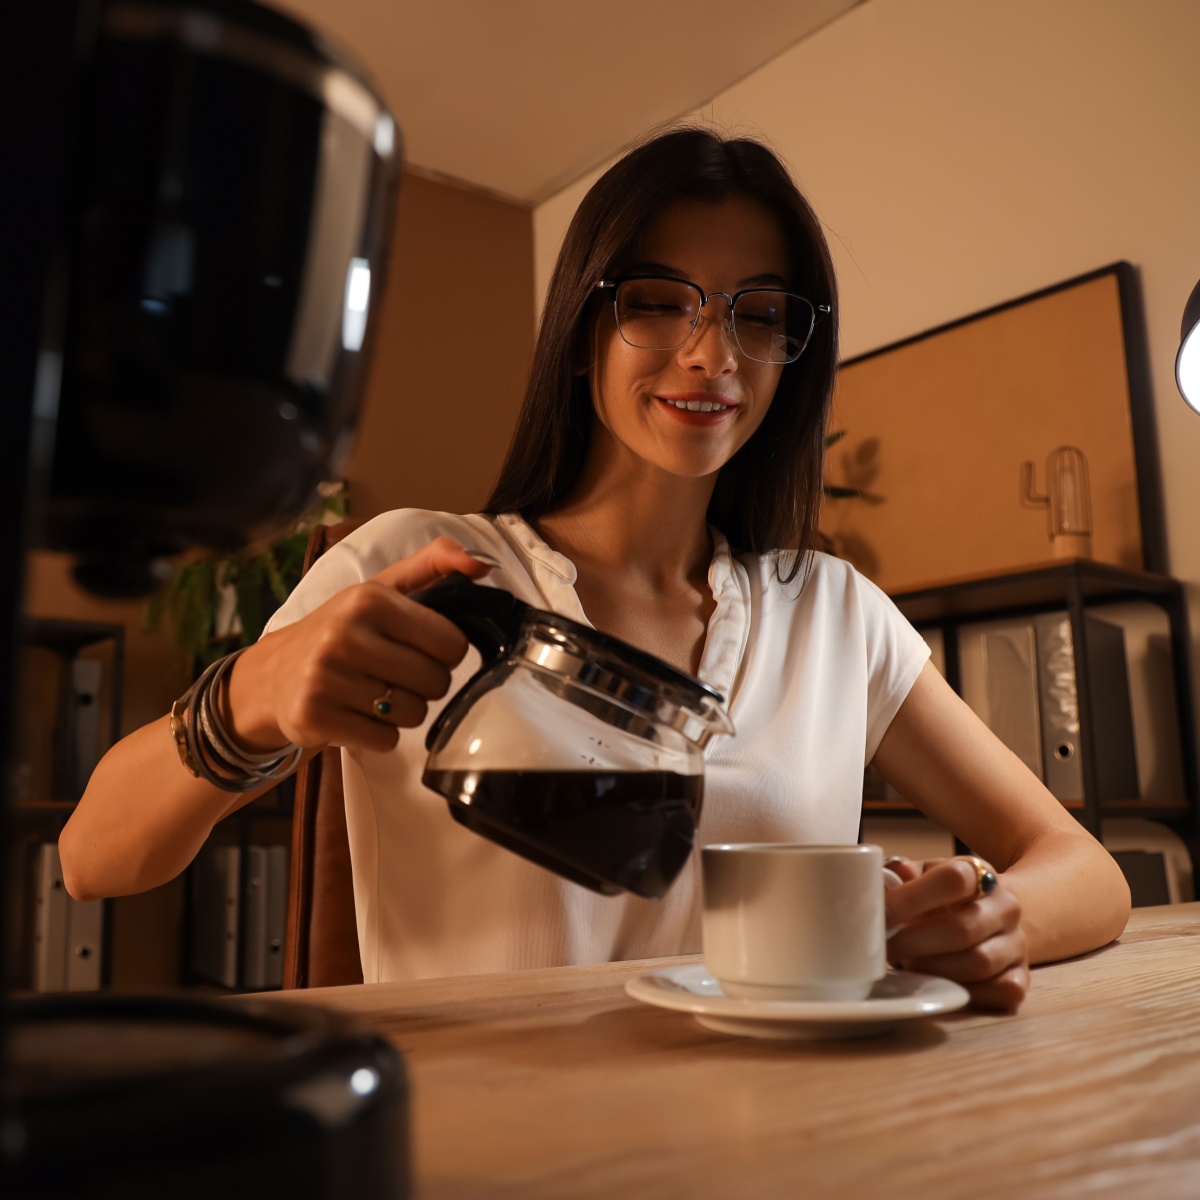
x: 199, y: 197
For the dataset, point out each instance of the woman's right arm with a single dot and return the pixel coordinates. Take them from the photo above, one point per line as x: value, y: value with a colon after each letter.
x: 144, y: 816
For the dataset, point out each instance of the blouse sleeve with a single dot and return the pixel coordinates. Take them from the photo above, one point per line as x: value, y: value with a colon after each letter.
x: 896, y: 654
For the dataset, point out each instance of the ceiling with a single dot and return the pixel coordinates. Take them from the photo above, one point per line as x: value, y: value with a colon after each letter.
x: 522, y: 97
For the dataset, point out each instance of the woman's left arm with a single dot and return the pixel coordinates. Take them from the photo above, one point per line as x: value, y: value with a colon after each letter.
x: 1060, y: 892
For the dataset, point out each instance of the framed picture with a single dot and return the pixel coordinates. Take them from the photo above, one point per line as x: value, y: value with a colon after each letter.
x: 928, y: 438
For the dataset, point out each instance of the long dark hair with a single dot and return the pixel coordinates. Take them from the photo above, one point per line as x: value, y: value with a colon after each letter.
x: 768, y: 495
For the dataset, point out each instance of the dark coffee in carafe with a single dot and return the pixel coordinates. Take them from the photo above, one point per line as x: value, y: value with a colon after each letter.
x: 610, y: 831
x: 573, y: 749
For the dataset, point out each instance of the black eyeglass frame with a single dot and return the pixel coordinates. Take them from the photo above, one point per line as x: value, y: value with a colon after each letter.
x: 818, y: 311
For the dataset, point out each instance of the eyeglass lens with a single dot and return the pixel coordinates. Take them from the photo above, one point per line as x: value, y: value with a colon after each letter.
x: 660, y: 314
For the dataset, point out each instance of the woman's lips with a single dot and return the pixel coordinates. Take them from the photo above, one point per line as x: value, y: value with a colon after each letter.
x: 697, y: 408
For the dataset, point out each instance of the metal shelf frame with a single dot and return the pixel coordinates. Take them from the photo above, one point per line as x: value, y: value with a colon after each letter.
x: 1076, y: 585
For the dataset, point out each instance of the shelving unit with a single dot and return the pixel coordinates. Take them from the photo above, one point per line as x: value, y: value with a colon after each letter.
x: 38, y: 815
x: 1074, y: 586
x: 238, y: 830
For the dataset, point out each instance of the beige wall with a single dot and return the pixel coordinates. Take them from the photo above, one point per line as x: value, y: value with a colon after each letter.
x: 964, y: 152
x: 450, y: 366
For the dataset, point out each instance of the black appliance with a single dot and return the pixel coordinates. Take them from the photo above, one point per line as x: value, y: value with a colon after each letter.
x: 198, y: 200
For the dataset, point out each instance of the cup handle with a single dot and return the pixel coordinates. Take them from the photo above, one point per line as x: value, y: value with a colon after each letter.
x: 891, y: 880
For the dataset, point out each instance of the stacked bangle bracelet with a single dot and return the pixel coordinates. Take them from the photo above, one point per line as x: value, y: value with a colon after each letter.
x: 205, y: 746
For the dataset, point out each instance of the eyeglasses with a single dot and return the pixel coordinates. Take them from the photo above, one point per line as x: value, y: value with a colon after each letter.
x: 658, y: 313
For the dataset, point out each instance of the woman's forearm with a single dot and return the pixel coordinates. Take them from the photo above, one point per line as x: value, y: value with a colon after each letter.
x: 141, y: 820
x: 144, y: 816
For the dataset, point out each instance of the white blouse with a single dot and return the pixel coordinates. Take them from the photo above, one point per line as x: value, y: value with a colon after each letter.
x: 812, y: 672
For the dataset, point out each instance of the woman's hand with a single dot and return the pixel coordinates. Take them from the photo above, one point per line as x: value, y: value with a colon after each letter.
x: 949, y: 930
x: 314, y: 682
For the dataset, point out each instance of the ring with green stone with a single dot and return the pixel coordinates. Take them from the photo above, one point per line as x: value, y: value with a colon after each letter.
x: 383, y: 704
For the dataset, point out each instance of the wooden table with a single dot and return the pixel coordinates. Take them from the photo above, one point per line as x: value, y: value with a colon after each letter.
x: 554, y: 1083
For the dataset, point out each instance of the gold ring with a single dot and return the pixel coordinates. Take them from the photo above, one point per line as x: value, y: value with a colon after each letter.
x: 985, y: 876
x: 383, y: 704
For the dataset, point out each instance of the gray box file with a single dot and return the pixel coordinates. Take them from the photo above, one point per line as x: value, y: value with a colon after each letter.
x: 277, y: 897
x: 1020, y: 676
x: 266, y: 917
x: 216, y: 905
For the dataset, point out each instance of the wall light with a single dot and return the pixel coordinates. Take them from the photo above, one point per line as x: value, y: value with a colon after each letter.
x: 354, y: 312
x: 1187, y: 363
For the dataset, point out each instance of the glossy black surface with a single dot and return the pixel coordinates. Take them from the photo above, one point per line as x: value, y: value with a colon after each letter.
x: 206, y: 387
x: 172, y: 1097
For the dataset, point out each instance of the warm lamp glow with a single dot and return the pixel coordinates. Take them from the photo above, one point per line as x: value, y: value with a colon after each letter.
x: 1187, y: 364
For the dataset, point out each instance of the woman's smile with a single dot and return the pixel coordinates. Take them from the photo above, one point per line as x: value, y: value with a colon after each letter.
x: 697, y: 408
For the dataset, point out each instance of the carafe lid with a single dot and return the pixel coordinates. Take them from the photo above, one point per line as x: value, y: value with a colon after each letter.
x: 637, y: 681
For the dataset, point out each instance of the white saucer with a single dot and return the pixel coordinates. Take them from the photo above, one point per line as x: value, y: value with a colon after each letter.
x: 898, y: 996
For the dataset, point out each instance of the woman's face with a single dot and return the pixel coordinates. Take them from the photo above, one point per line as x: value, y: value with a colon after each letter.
x: 640, y: 396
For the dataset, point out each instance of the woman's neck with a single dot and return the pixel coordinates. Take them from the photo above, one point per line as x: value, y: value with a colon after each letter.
x: 650, y: 527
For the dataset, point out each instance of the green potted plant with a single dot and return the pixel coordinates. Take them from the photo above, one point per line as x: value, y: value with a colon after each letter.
x: 214, y: 605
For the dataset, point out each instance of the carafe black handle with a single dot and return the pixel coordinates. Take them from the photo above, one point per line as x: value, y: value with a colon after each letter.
x: 490, y: 617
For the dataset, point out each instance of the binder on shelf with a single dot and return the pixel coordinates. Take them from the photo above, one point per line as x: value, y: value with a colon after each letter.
x: 277, y: 892
x: 254, y: 952
x: 216, y: 905
x: 77, y: 737
x: 1020, y: 676
x: 68, y: 936
x: 50, y: 922
x: 85, y: 945
x: 85, y: 683
x: 238, y: 926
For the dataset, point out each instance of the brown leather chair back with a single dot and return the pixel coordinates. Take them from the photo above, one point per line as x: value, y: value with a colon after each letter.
x: 321, y: 949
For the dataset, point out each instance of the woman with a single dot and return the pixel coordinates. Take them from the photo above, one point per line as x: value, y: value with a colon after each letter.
x: 664, y: 485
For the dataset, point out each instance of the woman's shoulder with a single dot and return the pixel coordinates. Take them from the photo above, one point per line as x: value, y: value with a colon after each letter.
x: 376, y: 544
x: 823, y: 587
x: 816, y: 573
x: 403, y: 531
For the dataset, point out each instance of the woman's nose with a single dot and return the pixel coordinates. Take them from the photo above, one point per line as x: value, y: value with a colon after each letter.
x: 712, y: 344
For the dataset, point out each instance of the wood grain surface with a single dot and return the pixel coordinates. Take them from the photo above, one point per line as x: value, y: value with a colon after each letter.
x: 554, y: 1083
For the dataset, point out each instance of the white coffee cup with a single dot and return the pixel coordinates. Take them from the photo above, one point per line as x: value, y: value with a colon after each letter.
x: 788, y: 922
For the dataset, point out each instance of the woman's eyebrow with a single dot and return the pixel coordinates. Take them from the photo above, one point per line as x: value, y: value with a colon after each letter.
x: 655, y: 268
x: 766, y: 279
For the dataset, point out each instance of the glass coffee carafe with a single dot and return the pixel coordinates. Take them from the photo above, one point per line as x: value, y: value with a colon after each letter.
x: 573, y: 749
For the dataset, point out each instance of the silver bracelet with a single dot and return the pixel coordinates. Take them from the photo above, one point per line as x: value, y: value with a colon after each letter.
x: 206, y: 748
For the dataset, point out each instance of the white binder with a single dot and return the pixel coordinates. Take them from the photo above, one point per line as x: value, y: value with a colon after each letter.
x: 86, y: 678
x: 50, y: 922
x: 85, y: 945
x: 68, y: 935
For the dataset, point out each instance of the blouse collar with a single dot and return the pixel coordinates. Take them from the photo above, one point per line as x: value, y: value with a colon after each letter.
x: 728, y: 627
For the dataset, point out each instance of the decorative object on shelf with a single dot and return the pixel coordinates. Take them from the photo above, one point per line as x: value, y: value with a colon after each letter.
x: 1067, y: 500
x: 1187, y: 361
x: 214, y: 605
